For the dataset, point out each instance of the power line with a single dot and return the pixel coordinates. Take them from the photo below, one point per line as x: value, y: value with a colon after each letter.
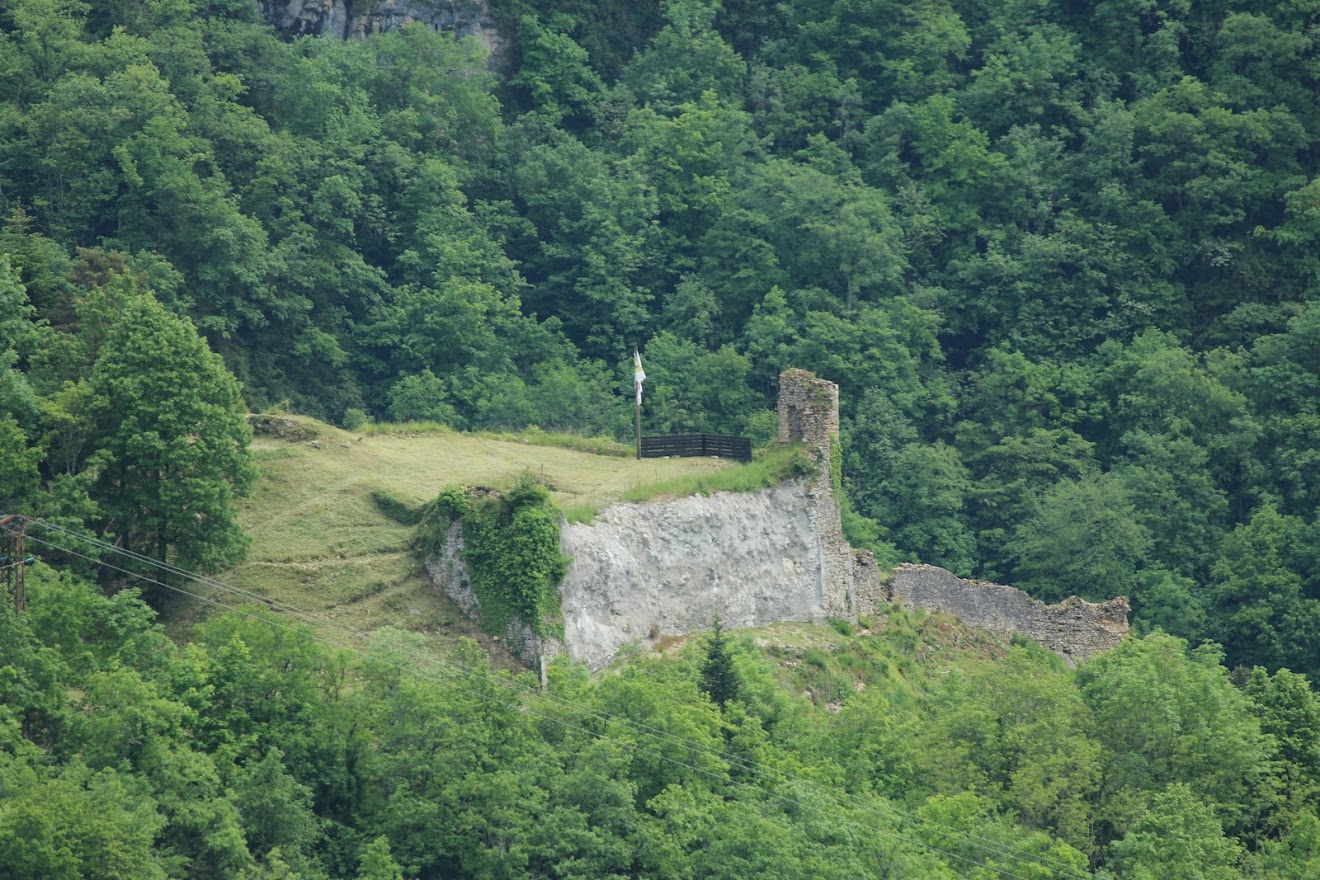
x: 879, y: 810
x: 990, y: 846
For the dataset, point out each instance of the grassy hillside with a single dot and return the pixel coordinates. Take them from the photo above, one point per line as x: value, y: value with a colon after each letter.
x: 321, y: 543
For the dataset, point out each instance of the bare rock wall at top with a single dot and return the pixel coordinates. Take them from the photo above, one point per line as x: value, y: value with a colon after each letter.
x: 354, y: 19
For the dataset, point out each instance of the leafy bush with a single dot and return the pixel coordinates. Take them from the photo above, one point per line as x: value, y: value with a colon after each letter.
x: 401, y: 513
x: 422, y: 397
x: 511, y: 547
x: 841, y: 626
x: 355, y: 418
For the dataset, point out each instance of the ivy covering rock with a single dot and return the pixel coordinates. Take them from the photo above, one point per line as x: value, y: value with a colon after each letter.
x: 511, y: 547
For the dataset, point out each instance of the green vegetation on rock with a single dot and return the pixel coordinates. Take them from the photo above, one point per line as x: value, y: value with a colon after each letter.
x: 511, y: 547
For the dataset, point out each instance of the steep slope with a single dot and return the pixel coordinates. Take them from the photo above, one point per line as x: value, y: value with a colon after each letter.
x: 322, y: 541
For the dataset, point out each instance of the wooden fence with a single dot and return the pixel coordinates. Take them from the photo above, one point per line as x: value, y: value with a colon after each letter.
x: 722, y: 445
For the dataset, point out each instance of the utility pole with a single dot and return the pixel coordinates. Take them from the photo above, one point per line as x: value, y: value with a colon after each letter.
x: 14, y: 559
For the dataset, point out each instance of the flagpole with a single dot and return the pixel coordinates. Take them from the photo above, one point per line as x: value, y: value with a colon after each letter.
x: 639, y: 376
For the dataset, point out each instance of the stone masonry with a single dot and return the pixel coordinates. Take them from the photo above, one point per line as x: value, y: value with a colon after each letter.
x: 808, y: 410
x: 809, y: 414
x: 754, y: 558
x: 1075, y: 629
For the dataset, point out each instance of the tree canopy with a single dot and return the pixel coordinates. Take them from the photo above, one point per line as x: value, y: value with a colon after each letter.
x: 1060, y: 258
x: 263, y: 750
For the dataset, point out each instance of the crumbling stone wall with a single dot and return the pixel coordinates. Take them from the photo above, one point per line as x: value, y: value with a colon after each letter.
x: 852, y: 583
x: 1075, y: 629
x: 809, y: 414
x: 869, y: 587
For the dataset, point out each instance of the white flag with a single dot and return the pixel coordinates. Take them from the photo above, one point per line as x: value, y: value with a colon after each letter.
x: 639, y: 375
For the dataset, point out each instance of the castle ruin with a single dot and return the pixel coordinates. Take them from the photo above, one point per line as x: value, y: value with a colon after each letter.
x: 757, y: 558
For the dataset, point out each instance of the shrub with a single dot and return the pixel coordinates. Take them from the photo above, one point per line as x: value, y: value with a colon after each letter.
x: 841, y: 626
x: 511, y: 547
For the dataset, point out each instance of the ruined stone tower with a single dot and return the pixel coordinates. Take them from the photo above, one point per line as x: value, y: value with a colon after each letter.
x: 809, y: 414
x: 808, y: 409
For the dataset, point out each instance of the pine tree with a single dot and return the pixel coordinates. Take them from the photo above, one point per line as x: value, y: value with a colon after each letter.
x: 719, y: 678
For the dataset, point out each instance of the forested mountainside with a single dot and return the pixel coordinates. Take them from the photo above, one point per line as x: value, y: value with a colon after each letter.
x: 1060, y: 257
x: 909, y: 749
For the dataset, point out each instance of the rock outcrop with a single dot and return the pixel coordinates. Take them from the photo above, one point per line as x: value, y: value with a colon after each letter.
x: 669, y: 567
x: 349, y: 19
x: 754, y: 558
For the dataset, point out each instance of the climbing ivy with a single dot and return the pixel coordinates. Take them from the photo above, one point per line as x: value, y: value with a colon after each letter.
x: 453, y: 503
x: 511, y: 547
x: 836, y: 467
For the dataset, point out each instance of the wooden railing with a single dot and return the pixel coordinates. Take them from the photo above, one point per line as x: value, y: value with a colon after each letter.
x: 722, y: 445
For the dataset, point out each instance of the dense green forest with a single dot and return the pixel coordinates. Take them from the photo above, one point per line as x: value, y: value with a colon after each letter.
x: 913, y: 750
x: 1061, y: 257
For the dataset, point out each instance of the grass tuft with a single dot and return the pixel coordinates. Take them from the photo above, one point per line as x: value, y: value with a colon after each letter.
x: 774, y: 466
x: 580, y: 512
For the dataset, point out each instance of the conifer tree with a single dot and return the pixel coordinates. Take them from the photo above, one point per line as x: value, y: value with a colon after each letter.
x: 719, y: 678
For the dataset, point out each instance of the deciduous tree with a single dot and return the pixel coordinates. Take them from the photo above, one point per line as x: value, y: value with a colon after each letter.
x: 171, y: 441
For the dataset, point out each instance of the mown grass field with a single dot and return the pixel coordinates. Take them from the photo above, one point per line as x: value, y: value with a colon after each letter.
x: 321, y: 543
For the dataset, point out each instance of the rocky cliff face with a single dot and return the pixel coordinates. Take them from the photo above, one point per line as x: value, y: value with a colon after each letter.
x: 348, y: 19
x: 642, y: 570
x: 668, y: 567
